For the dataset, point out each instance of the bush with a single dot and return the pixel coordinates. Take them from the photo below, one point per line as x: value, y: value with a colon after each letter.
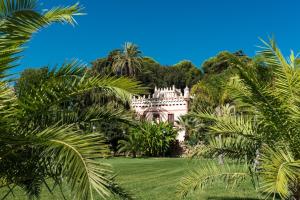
x: 149, y: 139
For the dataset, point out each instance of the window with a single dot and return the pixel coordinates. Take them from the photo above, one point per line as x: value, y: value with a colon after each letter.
x: 171, y: 118
x: 156, y: 117
x: 143, y: 117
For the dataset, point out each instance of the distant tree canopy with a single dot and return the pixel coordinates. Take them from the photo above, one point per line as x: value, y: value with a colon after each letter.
x: 150, y: 72
x: 181, y: 74
x: 221, y: 62
x: 210, y: 90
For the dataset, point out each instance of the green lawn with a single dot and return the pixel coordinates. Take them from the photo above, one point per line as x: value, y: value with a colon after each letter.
x: 156, y: 178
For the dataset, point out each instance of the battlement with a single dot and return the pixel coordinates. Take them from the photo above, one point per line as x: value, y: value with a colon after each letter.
x: 163, y: 95
x: 155, y: 102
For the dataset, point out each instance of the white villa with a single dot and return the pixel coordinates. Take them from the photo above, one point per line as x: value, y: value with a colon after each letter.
x: 165, y: 104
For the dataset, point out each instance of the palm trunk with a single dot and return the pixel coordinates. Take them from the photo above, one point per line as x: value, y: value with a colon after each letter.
x: 221, y: 159
x: 256, y: 160
x: 221, y: 156
x: 219, y: 137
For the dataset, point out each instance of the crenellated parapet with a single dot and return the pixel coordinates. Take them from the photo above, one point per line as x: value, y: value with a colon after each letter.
x: 162, y: 96
x: 155, y: 102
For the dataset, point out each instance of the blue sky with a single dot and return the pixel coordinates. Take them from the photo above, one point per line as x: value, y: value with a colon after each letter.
x: 167, y: 30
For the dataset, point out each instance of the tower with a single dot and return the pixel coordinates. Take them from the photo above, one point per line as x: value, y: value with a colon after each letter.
x: 186, y: 96
x: 186, y: 93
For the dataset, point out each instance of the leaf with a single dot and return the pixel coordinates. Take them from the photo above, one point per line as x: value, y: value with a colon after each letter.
x: 279, y: 170
x: 229, y: 174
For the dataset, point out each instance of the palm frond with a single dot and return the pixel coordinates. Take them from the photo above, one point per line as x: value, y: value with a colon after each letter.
x: 90, y: 116
x: 279, y: 170
x: 240, y: 93
x: 233, y: 135
x: 75, y: 155
x: 287, y: 79
x: 107, y: 114
x: 80, y: 156
x: 8, y: 105
x: 19, y: 20
x: 63, y: 14
x: 9, y: 7
x: 229, y: 174
x: 58, y: 88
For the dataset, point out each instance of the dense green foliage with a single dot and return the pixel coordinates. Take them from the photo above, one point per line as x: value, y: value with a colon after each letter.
x: 44, y: 133
x: 181, y: 74
x: 262, y: 130
x: 30, y: 78
x: 112, y: 116
x: 149, y: 139
x: 211, y: 90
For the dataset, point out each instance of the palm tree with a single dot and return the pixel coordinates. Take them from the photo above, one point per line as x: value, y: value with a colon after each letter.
x: 263, y: 134
x: 41, y: 136
x: 131, y: 144
x: 128, y: 61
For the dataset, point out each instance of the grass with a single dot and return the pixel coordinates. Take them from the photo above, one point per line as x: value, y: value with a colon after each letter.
x: 156, y: 179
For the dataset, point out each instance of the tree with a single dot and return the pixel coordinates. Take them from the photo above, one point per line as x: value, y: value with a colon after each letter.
x: 152, y: 74
x: 181, y: 74
x: 210, y: 90
x: 128, y: 61
x: 264, y: 133
x: 104, y: 65
x: 131, y: 144
x: 41, y: 137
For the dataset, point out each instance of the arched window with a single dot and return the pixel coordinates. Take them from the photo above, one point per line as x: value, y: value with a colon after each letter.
x: 156, y: 117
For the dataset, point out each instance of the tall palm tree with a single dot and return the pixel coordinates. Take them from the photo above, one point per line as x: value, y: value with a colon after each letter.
x: 264, y: 133
x: 128, y: 61
x: 41, y: 136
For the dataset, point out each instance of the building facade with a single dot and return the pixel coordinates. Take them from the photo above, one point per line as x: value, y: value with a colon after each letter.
x: 165, y: 104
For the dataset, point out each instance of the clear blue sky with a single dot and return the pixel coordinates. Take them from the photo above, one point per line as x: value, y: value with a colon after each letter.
x: 167, y: 30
